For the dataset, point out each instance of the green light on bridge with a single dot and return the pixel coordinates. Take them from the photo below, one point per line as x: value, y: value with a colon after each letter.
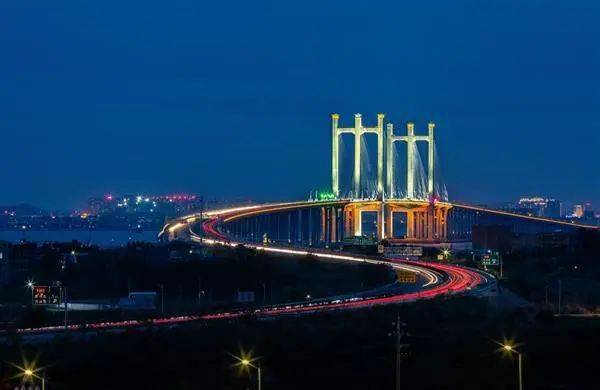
x: 325, y: 196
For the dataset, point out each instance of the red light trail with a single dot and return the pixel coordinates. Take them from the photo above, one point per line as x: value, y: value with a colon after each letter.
x: 443, y: 279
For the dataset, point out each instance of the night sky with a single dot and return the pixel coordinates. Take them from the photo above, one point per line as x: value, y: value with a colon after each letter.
x: 233, y: 98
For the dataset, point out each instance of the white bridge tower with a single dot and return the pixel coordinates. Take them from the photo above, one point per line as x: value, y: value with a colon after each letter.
x: 411, y: 142
x: 358, y: 130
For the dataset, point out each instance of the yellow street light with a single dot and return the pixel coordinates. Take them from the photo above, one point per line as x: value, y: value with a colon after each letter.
x: 29, y: 372
x: 30, y: 284
x: 508, y: 348
x: 247, y: 362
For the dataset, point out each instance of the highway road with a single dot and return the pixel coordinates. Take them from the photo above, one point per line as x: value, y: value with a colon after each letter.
x: 436, y: 280
x: 439, y: 279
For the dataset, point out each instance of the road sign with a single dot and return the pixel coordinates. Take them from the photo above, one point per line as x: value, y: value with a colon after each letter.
x: 407, y: 277
x: 490, y: 259
x: 46, y: 295
x: 403, y: 251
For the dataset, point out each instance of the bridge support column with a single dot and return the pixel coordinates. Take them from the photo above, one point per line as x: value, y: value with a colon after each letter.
x: 357, y: 150
x: 443, y: 224
x: 278, y: 216
x: 410, y: 169
x: 390, y: 223
x: 335, y: 186
x: 333, y: 224
x: 422, y: 225
x: 390, y: 161
x: 310, y: 227
x: 348, y: 221
x: 289, y: 215
x: 415, y: 225
x: 431, y: 222
x: 357, y: 223
x: 380, y: 224
x: 323, y: 225
x: 300, y: 238
x: 327, y: 226
x: 410, y: 224
x: 380, y: 154
x: 430, y: 165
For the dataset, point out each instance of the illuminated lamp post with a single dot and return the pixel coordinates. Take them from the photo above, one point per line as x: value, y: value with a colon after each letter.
x: 246, y: 362
x: 511, y: 349
x: 29, y: 373
x: 30, y: 285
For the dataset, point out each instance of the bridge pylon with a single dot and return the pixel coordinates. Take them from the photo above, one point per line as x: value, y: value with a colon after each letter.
x: 358, y: 130
x: 411, y: 145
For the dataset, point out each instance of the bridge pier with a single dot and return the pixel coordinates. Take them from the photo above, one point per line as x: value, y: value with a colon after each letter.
x: 299, y: 236
x: 329, y: 224
x: 289, y: 218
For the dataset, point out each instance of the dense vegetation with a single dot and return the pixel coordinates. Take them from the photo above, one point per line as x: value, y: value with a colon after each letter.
x: 193, y: 279
x: 451, y: 344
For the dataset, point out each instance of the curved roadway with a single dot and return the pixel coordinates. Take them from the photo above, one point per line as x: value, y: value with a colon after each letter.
x: 437, y: 279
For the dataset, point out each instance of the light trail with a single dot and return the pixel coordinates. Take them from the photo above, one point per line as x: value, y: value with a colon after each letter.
x: 458, y: 280
x: 440, y: 280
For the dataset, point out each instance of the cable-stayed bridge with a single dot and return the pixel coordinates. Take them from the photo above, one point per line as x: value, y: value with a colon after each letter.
x: 414, y: 209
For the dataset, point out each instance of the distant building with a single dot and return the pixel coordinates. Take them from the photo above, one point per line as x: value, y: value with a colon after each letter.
x: 138, y: 212
x: 4, y: 264
x: 588, y: 211
x: 168, y: 205
x: 541, y: 207
x: 577, y: 211
x: 99, y: 206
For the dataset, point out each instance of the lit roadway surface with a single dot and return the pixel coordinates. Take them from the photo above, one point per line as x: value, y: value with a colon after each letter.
x: 436, y: 279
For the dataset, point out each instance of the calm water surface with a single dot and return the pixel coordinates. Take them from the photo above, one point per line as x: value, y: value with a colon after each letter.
x: 103, y: 238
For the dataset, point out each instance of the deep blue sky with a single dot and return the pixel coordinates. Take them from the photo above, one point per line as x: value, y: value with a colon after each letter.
x: 233, y: 98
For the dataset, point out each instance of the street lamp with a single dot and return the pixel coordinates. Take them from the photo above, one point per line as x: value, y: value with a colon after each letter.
x: 508, y: 348
x: 247, y: 363
x: 30, y: 285
x: 30, y: 374
x: 446, y: 253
